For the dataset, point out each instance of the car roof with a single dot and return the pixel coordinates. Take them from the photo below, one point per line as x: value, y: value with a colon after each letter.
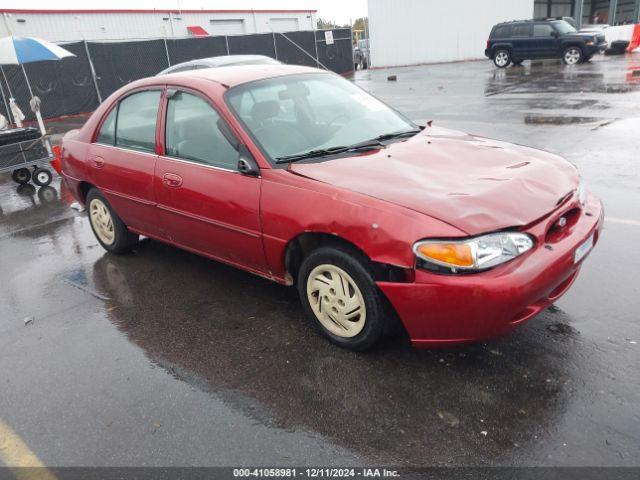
x: 233, y: 75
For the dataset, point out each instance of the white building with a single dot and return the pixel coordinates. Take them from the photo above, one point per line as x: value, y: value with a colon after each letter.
x: 409, y: 32
x: 70, y: 25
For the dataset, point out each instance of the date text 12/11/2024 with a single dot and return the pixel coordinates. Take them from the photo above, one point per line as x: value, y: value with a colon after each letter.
x: 315, y: 472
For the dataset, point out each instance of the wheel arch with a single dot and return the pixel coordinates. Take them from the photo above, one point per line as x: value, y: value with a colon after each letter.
x: 83, y: 190
x: 303, y: 244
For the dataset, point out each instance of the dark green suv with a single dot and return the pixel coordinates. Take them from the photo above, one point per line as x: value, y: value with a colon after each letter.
x: 513, y: 42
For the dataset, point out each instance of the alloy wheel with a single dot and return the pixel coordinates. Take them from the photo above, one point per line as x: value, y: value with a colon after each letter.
x: 502, y: 58
x: 336, y: 301
x: 572, y: 56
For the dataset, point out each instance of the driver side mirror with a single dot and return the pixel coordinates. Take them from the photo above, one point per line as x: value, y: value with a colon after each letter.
x: 555, y: 34
x: 247, y: 165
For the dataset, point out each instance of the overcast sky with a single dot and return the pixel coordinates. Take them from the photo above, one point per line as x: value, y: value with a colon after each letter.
x: 340, y: 11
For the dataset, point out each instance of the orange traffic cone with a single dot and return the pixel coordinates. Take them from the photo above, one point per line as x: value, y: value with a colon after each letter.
x: 635, y: 39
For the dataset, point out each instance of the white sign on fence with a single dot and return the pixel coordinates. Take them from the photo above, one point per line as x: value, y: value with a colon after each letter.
x: 328, y: 37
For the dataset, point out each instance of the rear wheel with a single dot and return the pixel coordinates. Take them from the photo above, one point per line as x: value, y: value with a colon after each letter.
x: 339, y: 295
x: 21, y: 176
x: 572, y: 56
x: 108, y: 228
x: 502, y: 58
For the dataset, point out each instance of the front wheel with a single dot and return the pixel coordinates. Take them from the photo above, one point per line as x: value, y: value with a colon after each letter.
x: 572, y: 56
x: 502, y: 58
x: 340, y: 297
x: 111, y: 232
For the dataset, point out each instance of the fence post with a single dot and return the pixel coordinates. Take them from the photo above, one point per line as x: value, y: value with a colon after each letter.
x: 93, y: 71
x: 275, y: 48
x: 166, y: 51
x: 315, y: 41
x: 226, y: 40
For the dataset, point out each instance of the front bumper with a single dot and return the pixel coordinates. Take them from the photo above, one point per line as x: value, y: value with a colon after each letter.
x: 440, y: 310
x: 594, y: 49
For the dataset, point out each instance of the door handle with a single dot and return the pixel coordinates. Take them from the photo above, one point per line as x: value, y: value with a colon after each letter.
x: 98, y: 162
x: 172, y: 180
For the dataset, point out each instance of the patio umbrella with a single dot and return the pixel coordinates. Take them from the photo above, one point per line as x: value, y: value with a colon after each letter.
x: 21, y: 50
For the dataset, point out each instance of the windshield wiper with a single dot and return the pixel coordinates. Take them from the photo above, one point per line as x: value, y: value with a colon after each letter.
x: 368, y: 145
x: 402, y: 134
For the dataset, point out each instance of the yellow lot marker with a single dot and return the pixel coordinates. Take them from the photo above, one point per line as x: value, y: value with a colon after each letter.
x: 625, y: 221
x: 16, y: 455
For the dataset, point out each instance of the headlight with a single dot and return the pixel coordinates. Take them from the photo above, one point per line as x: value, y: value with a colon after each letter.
x: 472, y: 254
x: 589, y: 42
x: 581, y: 192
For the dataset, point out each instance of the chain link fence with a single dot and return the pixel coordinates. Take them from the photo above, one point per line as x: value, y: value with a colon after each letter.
x: 78, y: 84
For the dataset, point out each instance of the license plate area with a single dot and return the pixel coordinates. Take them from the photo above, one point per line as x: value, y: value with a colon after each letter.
x: 583, y: 249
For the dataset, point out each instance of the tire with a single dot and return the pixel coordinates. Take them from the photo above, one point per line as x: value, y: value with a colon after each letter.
x: 502, y: 58
x: 572, y: 55
x: 21, y: 176
x: 110, y: 231
x: 42, y: 177
x: 339, y: 267
x: 47, y: 194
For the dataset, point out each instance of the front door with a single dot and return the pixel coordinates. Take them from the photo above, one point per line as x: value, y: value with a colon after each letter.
x: 204, y: 203
x: 522, y: 42
x: 545, y: 40
x: 122, y: 161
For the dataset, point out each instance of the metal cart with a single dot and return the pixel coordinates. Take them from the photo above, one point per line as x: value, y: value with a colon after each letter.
x: 28, y: 160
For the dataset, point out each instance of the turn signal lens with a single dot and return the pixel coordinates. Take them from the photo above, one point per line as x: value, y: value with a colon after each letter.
x: 450, y: 253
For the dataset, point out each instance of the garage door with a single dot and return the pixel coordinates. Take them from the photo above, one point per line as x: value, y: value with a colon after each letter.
x: 227, y: 27
x: 284, y: 24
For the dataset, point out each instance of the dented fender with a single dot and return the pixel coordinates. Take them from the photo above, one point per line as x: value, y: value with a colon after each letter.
x: 292, y: 205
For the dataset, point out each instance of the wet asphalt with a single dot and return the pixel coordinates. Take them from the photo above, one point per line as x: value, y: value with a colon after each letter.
x: 161, y: 357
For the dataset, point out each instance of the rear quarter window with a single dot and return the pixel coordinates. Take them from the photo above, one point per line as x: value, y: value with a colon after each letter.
x: 502, y: 31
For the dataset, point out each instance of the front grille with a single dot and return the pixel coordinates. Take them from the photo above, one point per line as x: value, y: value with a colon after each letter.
x: 557, y: 232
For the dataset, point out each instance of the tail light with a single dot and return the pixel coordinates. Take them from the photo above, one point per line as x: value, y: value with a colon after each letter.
x: 488, y: 44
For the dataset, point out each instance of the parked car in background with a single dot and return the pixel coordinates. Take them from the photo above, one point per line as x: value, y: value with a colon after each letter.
x: 221, y: 61
x: 361, y: 55
x: 514, y: 42
x: 299, y: 176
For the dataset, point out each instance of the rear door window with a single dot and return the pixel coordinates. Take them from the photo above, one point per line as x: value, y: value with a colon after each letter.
x: 136, y: 125
x: 522, y: 30
x: 542, y: 30
x: 107, y: 134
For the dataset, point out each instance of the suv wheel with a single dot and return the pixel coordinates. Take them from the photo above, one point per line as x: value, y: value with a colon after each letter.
x: 502, y: 58
x: 572, y: 56
x: 340, y: 297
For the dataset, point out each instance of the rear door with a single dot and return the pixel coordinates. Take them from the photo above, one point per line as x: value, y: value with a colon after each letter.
x: 204, y: 203
x: 523, y: 45
x: 122, y: 160
x: 546, y: 42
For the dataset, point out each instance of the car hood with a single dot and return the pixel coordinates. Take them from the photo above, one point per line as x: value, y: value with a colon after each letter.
x: 473, y: 183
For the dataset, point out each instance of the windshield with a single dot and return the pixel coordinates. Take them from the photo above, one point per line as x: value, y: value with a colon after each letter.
x: 563, y: 27
x: 296, y: 114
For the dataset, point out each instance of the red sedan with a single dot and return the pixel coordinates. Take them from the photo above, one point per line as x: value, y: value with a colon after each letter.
x: 299, y: 176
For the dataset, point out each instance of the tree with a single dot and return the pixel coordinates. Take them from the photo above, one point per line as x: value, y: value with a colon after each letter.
x: 324, y: 24
x: 361, y: 24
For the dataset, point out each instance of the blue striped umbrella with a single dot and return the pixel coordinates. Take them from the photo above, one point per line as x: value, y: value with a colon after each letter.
x: 21, y: 50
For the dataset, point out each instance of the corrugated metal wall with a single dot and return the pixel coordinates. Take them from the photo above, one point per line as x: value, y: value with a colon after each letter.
x: 407, y: 32
x: 65, y: 27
